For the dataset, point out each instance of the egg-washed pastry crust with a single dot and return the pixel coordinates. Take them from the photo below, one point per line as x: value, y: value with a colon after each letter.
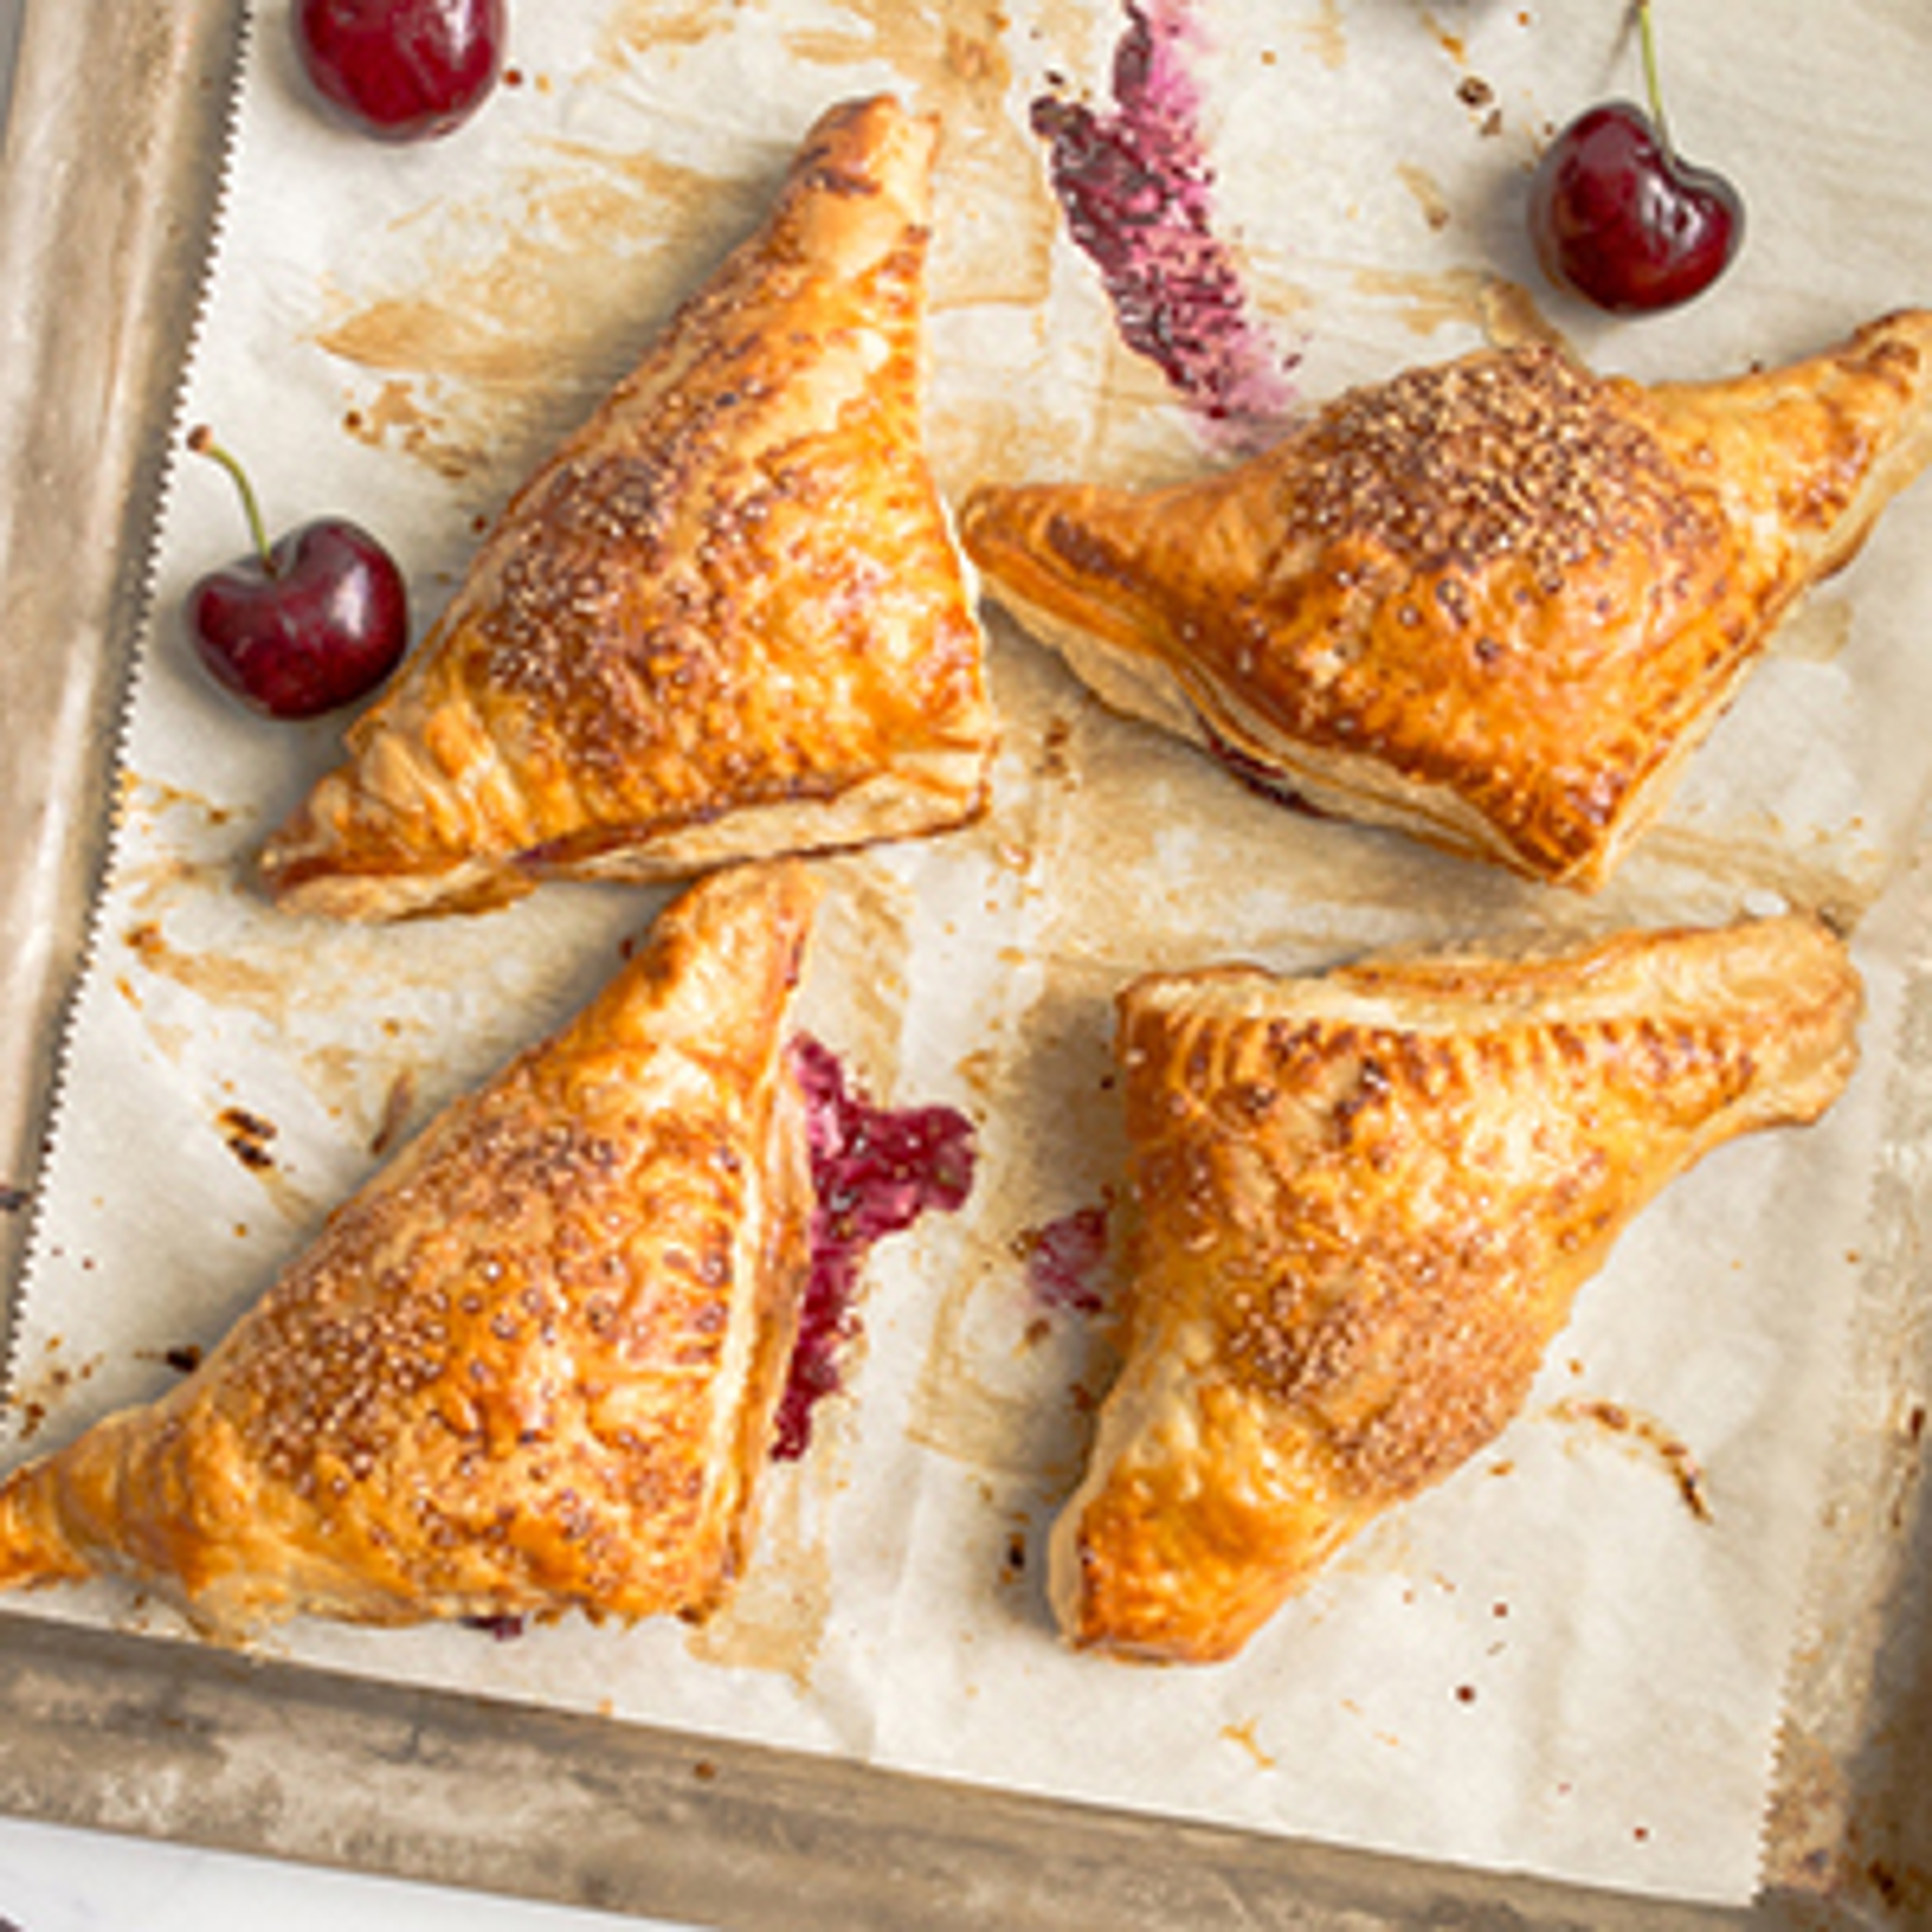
x: 727, y: 620
x: 1362, y: 1204
x: 532, y: 1366
x: 1495, y: 602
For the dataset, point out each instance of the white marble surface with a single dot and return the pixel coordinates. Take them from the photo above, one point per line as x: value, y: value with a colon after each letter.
x: 52, y: 1880
x: 56, y: 1880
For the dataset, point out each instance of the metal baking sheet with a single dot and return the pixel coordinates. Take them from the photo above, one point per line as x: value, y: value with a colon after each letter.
x: 108, y: 203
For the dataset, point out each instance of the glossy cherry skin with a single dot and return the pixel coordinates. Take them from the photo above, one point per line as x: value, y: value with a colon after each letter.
x: 319, y: 625
x: 402, y: 70
x: 1617, y: 217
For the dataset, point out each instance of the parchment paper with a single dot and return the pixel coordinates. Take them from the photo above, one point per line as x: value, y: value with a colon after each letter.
x: 1552, y: 1663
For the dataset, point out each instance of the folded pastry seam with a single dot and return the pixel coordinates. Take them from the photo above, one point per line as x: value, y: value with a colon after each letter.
x: 727, y: 620
x: 1497, y: 602
x: 533, y: 1366
x: 1362, y: 1204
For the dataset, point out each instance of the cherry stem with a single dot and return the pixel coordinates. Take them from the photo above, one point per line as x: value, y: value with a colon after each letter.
x: 1647, y: 36
x: 201, y: 440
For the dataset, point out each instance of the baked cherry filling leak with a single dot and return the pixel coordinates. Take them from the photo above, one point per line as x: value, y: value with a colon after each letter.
x: 1066, y: 1261
x: 1257, y: 777
x: 1136, y: 188
x: 874, y: 1171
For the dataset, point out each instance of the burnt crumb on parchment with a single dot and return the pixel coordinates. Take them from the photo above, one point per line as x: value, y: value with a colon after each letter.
x: 397, y: 1104
x: 248, y: 1136
x: 1615, y: 1418
x: 1480, y: 98
x: 183, y: 1357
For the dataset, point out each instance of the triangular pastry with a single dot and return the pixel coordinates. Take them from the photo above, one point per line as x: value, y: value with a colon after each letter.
x: 1362, y: 1205
x: 532, y: 1366
x: 1495, y: 602
x: 727, y: 620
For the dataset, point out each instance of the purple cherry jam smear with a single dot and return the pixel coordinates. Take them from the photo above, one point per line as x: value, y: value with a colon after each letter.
x: 1135, y: 187
x: 505, y: 1627
x: 1256, y: 777
x: 1065, y: 1260
x: 874, y: 1171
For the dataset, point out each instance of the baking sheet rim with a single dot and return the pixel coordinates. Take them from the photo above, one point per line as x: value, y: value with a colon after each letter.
x: 148, y: 1735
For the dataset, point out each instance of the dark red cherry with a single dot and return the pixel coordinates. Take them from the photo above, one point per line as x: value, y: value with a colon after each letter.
x: 312, y: 622
x: 402, y: 70
x: 1618, y: 216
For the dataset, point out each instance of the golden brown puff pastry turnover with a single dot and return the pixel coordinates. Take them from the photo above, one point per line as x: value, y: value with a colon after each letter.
x: 532, y: 1366
x: 727, y: 620
x: 1495, y: 602
x: 1361, y: 1206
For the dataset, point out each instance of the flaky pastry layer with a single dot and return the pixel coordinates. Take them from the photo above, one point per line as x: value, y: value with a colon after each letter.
x: 1362, y: 1206
x: 728, y: 620
x: 532, y: 1366
x: 1497, y: 602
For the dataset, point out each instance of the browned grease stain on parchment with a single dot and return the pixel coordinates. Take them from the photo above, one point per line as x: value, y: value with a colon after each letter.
x: 192, y: 854
x: 1326, y: 36
x: 1432, y: 299
x: 1453, y: 44
x: 1840, y: 888
x: 399, y: 416
x: 993, y: 238
x: 1646, y: 1434
x: 775, y: 1619
x: 40, y: 1388
x: 1504, y: 312
x: 530, y: 305
x: 223, y: 979
x: 524, y: 307
x: 1428, y: 192
x: 1007, y: 1384
x: 990, y: 436
x: 156, y: 796
x: 1511, y: 319
x: 978, y: 1402
x: 1816, y: 632
x: 273, y: 989
x: 855, y: 987
x: 643, y: 26
x: 1243, y: 1736
x: 149, y: 885
x: 959, y: 1411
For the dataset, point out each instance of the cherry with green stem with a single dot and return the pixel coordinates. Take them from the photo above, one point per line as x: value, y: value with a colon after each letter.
x: 301, y: 626
x: 1618, y: 216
